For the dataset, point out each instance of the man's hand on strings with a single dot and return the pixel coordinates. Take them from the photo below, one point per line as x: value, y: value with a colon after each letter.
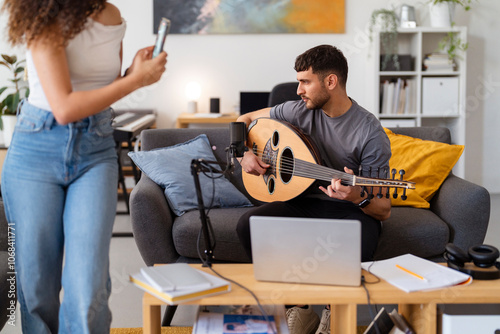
x: 339, y: 191
x: 252, y: 164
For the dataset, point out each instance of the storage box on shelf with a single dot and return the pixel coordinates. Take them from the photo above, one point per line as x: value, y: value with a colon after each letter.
x: 418, y: 95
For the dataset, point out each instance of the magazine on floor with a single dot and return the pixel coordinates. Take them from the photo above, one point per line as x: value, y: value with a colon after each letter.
x: 246, y: 319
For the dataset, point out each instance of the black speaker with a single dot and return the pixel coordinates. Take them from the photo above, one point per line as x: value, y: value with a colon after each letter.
x: 480, y: 262
x: 214, y: 105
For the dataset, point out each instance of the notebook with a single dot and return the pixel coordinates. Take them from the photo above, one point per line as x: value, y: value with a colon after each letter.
x: 306, y: 250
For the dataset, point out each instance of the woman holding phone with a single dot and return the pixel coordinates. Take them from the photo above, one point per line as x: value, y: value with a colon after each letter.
x: 60, y: 175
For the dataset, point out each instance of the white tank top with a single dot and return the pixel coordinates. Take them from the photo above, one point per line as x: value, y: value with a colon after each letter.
x: 93, y: 60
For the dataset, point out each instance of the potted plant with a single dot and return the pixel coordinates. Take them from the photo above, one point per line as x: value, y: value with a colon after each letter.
x: 442, y: 11
x: 386, y: 21
x: 452, y: 45
x: 14, y: 93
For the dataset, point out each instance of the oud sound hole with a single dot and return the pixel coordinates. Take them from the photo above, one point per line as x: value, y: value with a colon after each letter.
x: 286, y: 165
x: 271, y: 185
x: 276, y: 138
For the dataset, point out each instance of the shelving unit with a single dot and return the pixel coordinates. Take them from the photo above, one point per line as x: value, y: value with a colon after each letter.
x: 429, y: 87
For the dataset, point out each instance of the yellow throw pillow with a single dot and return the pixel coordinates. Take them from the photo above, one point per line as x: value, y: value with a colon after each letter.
x: 425, y: 162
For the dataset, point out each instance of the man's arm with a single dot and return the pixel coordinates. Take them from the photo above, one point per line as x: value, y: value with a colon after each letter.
x: 250, y: 163
x: 251, y: 116
x: 379, y: 208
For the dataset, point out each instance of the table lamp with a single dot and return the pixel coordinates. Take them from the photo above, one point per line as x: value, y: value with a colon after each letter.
x: 193, y: 92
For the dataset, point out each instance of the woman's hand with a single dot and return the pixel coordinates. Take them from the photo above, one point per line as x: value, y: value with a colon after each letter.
x: 145, y: 69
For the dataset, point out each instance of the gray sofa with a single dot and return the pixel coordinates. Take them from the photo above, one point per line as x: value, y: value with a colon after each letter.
x: 6, y: 288
x: 459, y: 212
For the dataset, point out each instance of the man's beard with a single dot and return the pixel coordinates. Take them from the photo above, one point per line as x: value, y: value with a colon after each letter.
x: 318, y: 102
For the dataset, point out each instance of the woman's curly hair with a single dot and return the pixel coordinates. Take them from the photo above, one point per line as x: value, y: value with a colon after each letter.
x: 56, y: 21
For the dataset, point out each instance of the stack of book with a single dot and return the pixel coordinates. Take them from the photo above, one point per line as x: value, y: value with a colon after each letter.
x: 438, y: 62
x: 397, y: 97
x: 177, y: 283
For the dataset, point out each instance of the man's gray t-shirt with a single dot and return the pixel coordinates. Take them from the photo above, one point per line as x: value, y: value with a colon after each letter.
x: 352, y: 139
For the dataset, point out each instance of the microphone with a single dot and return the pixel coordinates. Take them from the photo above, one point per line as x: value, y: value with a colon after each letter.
x: 238, y: 138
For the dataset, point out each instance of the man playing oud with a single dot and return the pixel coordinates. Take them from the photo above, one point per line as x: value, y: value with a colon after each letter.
x: 347, y: 137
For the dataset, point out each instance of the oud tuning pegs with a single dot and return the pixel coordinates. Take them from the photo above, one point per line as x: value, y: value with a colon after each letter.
x: 393, y: 172
x: 404, y: 197
x: 387, y: 176
x: 379, y: 195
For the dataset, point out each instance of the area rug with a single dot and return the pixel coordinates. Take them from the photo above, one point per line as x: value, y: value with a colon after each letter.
x: 164, y: 330
x: 179, y: 330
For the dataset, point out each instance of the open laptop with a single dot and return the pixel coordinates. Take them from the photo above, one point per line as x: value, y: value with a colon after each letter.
x: 306, y: 250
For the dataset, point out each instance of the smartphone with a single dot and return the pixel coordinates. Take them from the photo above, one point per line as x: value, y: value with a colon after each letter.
x: 163, y: 30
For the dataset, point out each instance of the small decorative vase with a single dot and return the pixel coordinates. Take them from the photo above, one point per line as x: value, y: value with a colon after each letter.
x: 441, y: 14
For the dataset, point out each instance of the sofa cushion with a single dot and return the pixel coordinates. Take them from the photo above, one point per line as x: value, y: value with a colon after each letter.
x: 228, y: 247
x: 410, y: 230
x: 169, y: 167
x: 427, y: 163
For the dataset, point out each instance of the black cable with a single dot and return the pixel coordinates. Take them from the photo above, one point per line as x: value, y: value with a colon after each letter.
x: 373, y: 282
x: 368, y: 270
x: 259, y: 305
x: 211, y: 176
x: 375, y: 325
x: 363, y: 283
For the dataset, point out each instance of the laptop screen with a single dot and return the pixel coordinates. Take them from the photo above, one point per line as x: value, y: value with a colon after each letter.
x: 306, y: 250
x: 251, y: 101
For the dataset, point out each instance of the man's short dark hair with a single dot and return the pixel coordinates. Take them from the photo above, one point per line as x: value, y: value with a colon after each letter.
x: 324, y: 60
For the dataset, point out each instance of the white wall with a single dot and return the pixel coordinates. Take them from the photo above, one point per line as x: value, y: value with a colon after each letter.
x: 224, y: 65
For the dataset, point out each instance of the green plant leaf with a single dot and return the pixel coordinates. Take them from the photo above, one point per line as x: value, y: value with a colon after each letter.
x: 11, y: 102
x: 10, y: 59
x: 5, y: 64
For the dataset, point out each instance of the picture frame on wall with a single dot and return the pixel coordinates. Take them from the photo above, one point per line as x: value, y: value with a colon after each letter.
x: 251, y: 16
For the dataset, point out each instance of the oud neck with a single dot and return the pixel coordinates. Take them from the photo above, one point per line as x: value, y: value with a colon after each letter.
x: 323, y: 173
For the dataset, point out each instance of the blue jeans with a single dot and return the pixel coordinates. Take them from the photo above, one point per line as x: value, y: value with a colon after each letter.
x: 59, y: 188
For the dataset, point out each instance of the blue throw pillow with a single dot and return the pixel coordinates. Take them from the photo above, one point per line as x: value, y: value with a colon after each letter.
x: 170, y: 168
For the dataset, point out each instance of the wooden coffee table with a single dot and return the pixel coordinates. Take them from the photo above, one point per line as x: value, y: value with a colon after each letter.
x: 419, y: 308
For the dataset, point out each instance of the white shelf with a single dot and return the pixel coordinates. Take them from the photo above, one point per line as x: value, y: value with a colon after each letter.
x: 417, y: 42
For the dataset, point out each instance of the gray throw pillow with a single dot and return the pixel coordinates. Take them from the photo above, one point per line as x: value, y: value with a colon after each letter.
x: 170, y: 168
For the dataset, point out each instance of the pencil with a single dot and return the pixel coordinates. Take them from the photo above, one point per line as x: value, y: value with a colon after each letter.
x: 411, y: 273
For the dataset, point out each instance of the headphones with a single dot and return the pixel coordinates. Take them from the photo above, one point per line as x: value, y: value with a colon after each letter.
x: 484, y: 264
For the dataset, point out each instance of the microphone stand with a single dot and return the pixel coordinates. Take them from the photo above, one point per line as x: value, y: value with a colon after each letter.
x: 197, y: 166
x: 237, y: 148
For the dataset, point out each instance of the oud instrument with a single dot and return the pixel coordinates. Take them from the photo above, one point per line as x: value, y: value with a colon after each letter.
x: 295, y: 165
